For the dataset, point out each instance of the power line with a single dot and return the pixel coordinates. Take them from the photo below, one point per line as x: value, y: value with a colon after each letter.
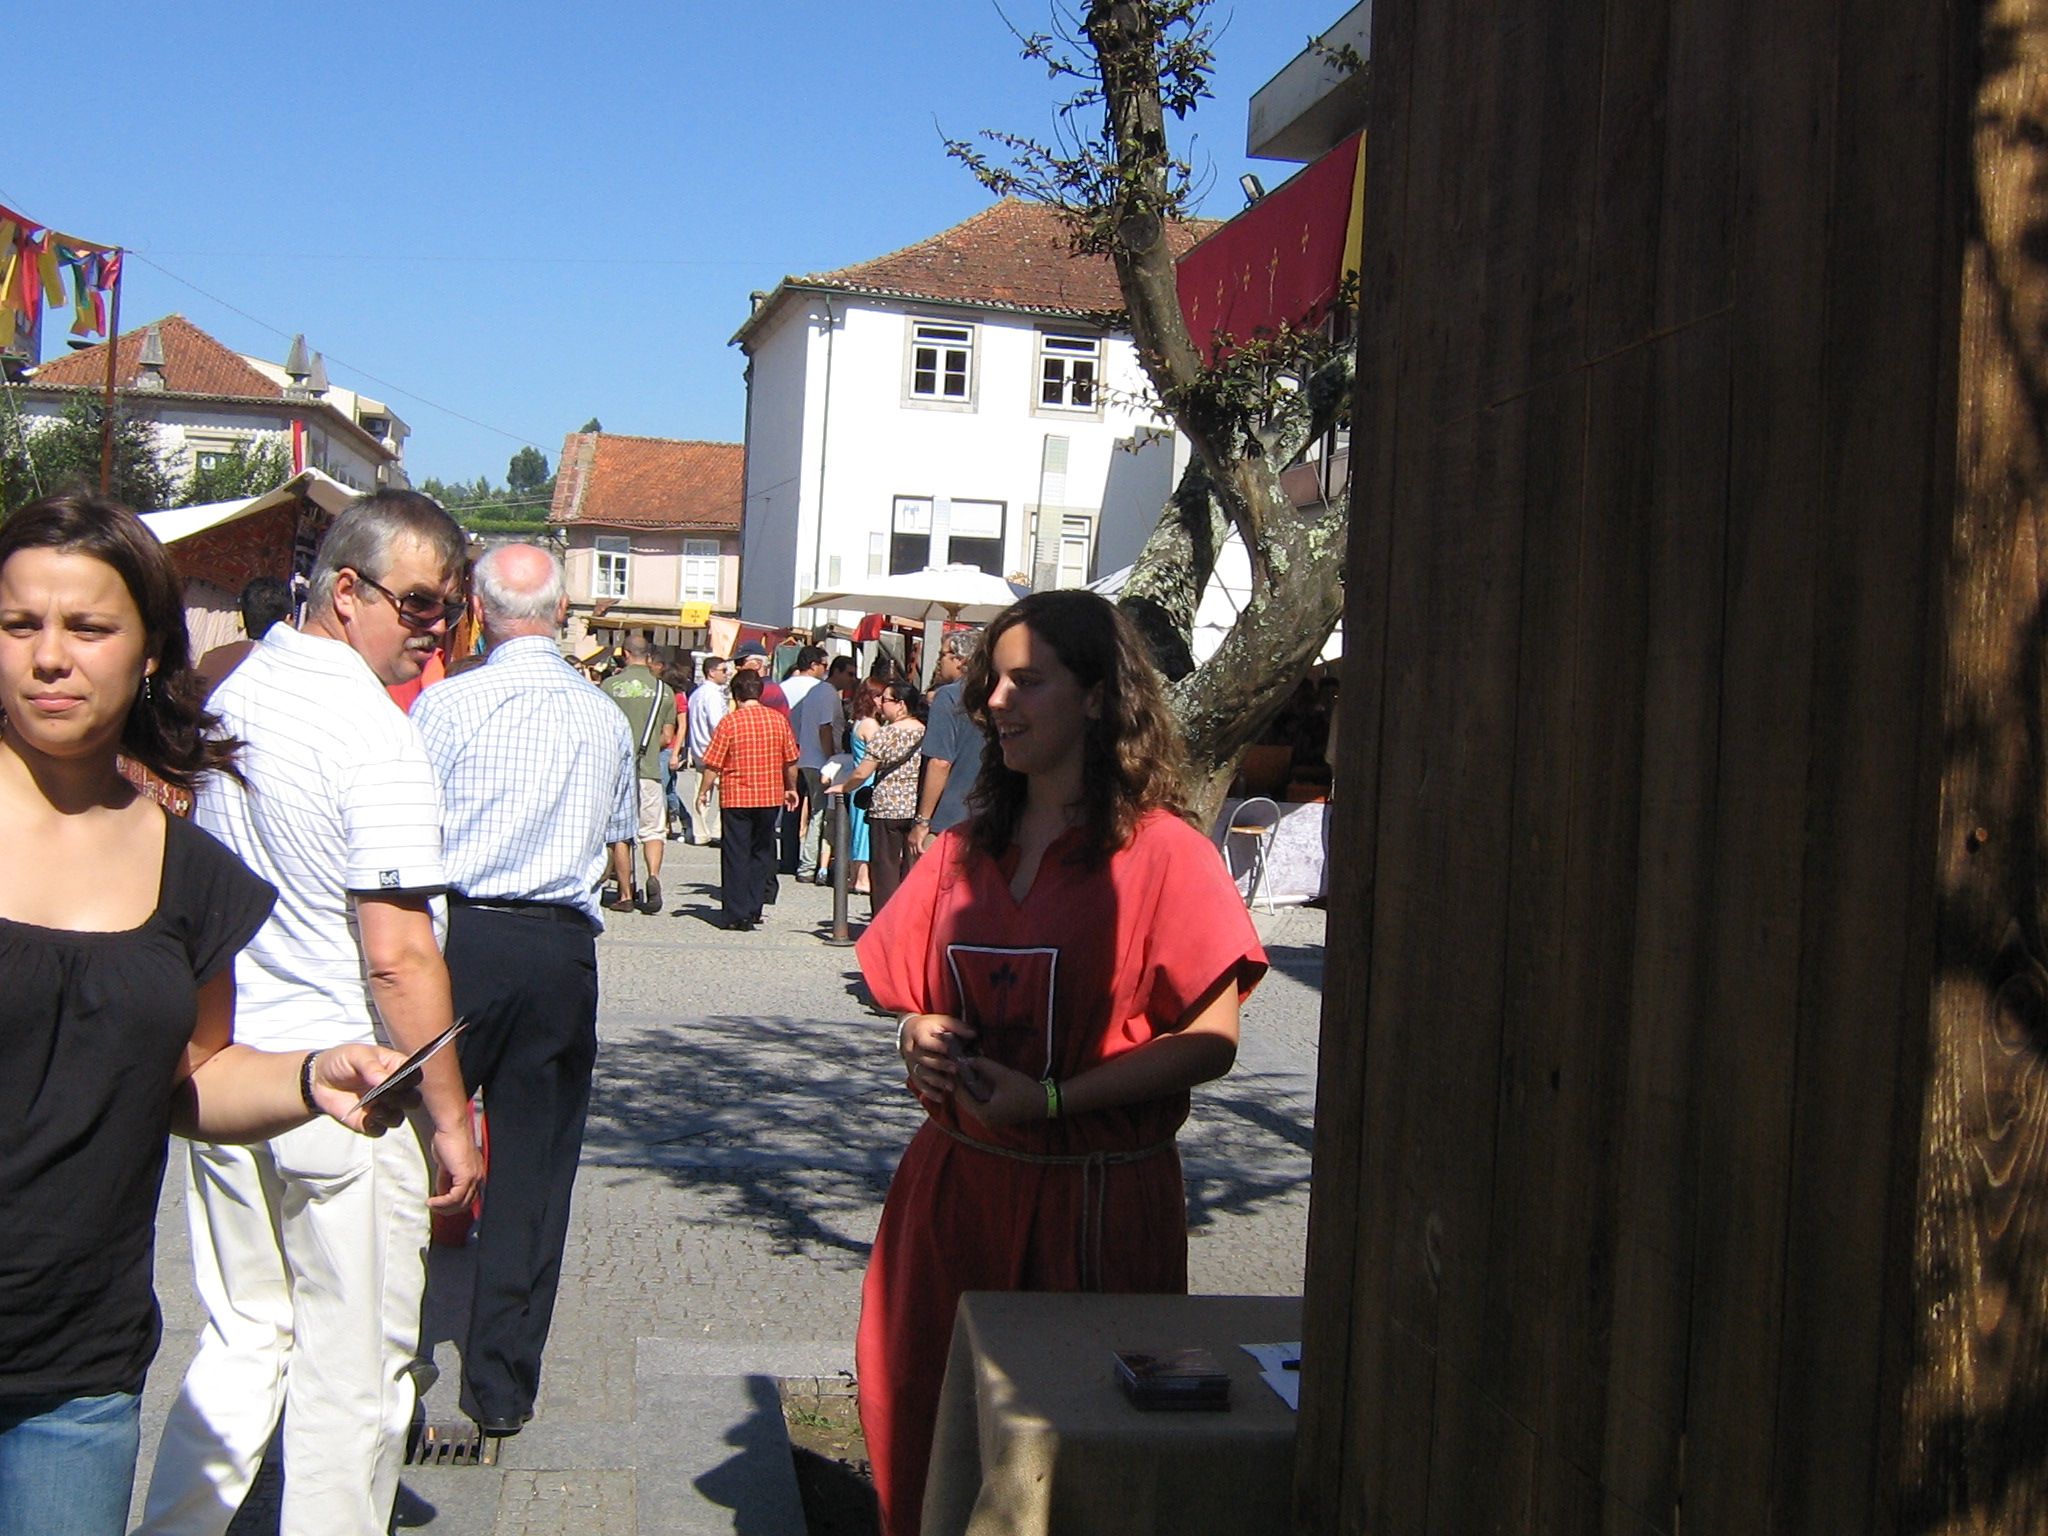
x: 594, y: 261
x: 396, y: 389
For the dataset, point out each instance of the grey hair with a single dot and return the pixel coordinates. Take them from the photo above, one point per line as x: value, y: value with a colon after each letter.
x: 362, y: 537
x: 520, y: 607
x: 961, y: 642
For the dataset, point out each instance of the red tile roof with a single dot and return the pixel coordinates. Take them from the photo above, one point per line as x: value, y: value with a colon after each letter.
x: 1017, y: 254
x: 649, y: 482
x: 194, y: 363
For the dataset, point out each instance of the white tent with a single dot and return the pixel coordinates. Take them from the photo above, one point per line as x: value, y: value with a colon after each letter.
x: 212, y: 616
x: 950, y: 592
x: 947, y: 593
x: 324, y: 491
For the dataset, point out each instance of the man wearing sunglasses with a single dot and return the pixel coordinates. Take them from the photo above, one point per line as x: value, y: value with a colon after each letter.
x: 309, y: 1250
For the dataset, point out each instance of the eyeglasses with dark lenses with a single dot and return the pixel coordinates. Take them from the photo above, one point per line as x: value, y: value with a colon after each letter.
x: 421, y: 610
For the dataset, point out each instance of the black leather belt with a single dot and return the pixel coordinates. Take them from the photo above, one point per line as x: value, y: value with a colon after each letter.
x: 560, y: 912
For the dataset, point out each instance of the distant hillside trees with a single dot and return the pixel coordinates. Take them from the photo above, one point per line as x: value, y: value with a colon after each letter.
x: 518, y: 508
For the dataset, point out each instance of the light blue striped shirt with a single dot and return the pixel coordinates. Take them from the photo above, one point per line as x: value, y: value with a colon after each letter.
x: 536, y: 771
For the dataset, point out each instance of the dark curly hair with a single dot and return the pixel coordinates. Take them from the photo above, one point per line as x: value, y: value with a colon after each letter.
x: 168, y: 730
x: 1132, y: 751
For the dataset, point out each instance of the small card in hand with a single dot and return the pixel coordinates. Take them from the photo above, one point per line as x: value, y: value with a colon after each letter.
x: 408, y: 1073
x: 1173, y: 1378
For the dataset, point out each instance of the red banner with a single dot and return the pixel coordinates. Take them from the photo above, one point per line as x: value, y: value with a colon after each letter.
x: 1279, y: 263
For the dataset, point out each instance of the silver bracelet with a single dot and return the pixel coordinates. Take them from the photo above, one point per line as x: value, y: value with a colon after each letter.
x: 903, y: 1035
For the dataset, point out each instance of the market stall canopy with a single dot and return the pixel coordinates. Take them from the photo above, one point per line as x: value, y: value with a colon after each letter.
x: 176, y: 523
x: 955, y: 593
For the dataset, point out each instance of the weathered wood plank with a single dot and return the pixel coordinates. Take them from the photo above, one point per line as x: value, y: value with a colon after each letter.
x: 1868, y: 938
x: 1630, y: 1045
x: 1786, y: 123
x: 1974, y: 1443
x: 1329, y: 1470
x: 1641, y: 1461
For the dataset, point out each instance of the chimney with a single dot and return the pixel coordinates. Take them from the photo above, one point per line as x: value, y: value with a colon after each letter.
x: 316, y: 378
x: 149, y: 362
x: 298, y: 365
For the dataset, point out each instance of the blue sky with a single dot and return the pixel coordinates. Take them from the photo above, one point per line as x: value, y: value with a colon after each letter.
x: 534, y: 214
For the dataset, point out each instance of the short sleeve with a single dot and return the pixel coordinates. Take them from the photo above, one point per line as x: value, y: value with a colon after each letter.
x: 1202, y: 931
x: 218, y: 904
x: 718, y: 750
x: 894, y: 951
x: 942, y: 731
x: 625, y: 817
x: 391, y: 817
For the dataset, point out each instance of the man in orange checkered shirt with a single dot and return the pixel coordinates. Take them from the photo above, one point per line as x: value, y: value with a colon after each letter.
x: 751, y: 762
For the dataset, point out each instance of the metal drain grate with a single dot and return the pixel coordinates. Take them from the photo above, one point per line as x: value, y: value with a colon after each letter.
x: 450, y: 1445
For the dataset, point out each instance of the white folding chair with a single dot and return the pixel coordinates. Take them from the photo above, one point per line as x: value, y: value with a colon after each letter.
x: 1253, y: 821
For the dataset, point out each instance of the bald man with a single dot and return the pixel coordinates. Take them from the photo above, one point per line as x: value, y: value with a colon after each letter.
x: 538, y: 776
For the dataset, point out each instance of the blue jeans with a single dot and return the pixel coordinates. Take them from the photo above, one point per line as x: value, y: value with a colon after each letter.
x: 67, y: 1465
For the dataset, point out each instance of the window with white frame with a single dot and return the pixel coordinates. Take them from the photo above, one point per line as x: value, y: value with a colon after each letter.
x: 211, y: 452
x: 1069, y: 372
x: 700, y: 570
x: 941, y: 362
x: 910, y: 535
x: 1077, y: 541
x: 610, y: 561
x: 975, y: 535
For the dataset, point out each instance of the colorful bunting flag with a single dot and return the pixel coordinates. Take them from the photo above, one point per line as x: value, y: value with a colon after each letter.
x: 33, y: 261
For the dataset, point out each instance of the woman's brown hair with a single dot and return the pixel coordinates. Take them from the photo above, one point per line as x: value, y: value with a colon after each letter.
x: 1132, y: 750
x: 168, y: 730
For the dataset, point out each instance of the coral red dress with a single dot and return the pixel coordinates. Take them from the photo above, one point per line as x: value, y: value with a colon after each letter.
x: 1092, y: 963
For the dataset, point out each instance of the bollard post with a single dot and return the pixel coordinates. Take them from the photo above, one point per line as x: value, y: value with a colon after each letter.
x: 842, y: 840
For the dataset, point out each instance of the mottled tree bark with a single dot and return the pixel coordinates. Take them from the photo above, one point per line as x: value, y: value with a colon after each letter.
x: 1297, y: 558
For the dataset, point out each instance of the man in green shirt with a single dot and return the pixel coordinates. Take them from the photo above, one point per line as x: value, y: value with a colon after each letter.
x: 639, y: 691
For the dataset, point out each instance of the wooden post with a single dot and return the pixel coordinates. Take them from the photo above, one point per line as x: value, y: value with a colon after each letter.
x: 1682, y: 1149
x: 107, y: 401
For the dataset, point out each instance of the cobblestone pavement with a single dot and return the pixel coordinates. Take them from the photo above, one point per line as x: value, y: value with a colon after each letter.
x: 744, y: 1121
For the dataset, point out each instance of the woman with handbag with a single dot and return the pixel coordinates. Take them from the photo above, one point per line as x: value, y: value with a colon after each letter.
x: 890, y: 800
x: 861, y: 730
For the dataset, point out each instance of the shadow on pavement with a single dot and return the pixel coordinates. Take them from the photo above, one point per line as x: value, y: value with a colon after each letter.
x: 798, y: 1124
x: 745, y: 1481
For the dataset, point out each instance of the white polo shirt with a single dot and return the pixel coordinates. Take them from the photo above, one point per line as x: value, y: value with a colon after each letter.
x: 340, y: 799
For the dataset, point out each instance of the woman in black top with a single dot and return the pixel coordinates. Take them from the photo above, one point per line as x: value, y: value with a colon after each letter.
x: 118, y: 928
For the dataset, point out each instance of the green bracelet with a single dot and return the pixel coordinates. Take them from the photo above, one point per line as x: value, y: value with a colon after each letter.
x: 1052, y: 1099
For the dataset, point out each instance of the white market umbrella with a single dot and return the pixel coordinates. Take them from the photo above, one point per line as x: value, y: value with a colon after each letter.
x: 956, y: 593
x: 952, y: 593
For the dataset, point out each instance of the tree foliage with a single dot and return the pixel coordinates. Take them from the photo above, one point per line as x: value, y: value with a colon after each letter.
x: 527, y: 472
x: 248, y: 469
x: 48, y: 456
x: 1113, y: 175
x: 520, y: 507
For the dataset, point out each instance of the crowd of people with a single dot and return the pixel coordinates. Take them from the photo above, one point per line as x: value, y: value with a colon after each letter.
x: 372, y: 869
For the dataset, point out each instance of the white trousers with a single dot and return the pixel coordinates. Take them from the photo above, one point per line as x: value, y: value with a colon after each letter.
x: 704, y: 823
x: 309, y: 1254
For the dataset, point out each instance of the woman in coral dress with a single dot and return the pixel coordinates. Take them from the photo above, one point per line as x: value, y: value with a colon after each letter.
x: 1067, y: 964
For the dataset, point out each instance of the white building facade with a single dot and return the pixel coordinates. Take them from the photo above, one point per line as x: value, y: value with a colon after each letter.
x: 959, y: 402
x: 203, y: 401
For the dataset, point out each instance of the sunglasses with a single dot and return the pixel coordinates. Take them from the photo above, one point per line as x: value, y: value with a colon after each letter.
x: 418, y: 610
